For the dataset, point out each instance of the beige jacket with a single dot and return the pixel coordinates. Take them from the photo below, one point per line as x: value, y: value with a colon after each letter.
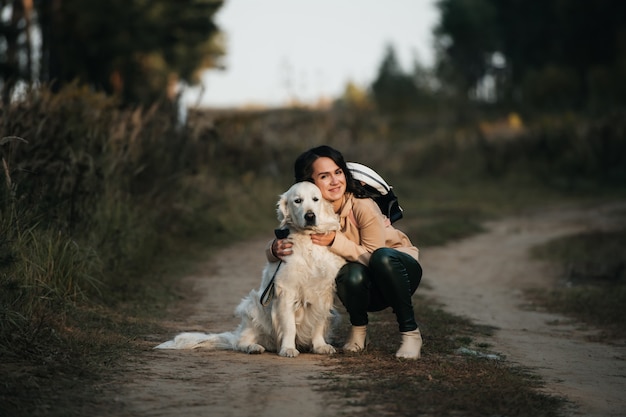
x: 363, y: 230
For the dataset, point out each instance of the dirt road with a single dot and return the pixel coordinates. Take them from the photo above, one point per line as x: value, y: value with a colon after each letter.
x: 482, y: 278
x: 201, y: 383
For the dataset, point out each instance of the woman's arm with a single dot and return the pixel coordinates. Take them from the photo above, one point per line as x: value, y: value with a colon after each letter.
x: 363, y: 233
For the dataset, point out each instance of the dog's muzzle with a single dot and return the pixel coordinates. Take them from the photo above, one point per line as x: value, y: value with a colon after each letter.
x: 309, y: 218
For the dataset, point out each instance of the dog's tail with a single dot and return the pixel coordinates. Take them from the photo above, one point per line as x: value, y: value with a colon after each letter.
x: 196, y: 340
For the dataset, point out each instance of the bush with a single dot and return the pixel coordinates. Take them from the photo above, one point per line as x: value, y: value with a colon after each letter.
x: 82, y: 181
x: 567, y: 152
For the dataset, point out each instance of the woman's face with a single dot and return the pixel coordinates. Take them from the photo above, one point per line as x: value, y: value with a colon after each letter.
x: 330, y: 179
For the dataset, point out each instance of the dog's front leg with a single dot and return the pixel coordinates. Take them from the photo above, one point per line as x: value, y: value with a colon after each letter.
x: 319, y: 341
x: 284, y: 322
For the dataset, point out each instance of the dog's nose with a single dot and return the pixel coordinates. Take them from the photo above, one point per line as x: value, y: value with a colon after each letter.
x: 309, y: 217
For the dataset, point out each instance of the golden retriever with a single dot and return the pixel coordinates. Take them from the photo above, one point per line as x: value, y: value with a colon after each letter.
x: 295, y: 314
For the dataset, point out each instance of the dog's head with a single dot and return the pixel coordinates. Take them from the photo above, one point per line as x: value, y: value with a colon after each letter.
x: 302, y: 208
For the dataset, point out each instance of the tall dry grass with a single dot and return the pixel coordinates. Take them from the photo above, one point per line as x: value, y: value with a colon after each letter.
x: 85, y: 188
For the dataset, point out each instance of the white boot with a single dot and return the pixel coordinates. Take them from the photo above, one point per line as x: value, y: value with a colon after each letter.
x: 356, y: 340
x: 411, y: 345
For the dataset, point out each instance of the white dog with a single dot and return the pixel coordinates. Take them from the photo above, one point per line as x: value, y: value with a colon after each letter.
x: 298, y: 314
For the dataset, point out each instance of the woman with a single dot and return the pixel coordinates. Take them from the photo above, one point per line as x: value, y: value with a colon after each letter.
x: 382, y: 270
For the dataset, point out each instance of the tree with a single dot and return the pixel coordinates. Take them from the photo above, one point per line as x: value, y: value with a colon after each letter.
x: 15, y: 44
x: 578, y: 41
x: 355, y: 97
x: 466, y: 37
x: 393, y: 90
x: 136, y: 49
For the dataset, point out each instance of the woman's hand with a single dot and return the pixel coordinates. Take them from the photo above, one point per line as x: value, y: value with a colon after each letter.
x: 282, y: 248
x: 323, y: 239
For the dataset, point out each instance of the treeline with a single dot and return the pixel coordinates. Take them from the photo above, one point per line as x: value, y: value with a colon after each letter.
x: 528, y: 56
x: 535, y: 55
x: 136, y: 50
x: 524, y: 56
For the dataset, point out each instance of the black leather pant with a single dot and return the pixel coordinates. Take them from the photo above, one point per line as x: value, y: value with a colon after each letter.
x: 389, y: 281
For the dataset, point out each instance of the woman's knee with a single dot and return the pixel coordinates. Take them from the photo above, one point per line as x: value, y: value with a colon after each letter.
x: 353, y: 276
x: 389, y: 263
x: 383, y: 257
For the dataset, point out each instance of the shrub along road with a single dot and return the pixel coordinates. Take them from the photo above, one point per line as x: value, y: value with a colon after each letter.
x: 482, y: 278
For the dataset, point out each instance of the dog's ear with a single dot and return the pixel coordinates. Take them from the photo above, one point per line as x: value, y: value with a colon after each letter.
x: 282, y: 209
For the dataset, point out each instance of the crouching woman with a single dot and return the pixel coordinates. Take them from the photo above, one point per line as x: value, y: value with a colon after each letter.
x: 383, y: 268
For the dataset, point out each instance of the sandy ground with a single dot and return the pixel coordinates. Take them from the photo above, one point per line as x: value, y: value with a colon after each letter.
x: 481, y: 278
x: 224, y: 383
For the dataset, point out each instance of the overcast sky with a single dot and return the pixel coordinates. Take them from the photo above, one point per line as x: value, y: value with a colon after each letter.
x: 307, y: 49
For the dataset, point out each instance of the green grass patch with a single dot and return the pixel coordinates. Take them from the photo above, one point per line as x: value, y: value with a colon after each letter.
x: 443, y: 231
x: 593, y: 279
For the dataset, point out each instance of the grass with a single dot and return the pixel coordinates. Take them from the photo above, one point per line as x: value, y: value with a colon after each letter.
x: 445, y: 381
x: 593, y: 280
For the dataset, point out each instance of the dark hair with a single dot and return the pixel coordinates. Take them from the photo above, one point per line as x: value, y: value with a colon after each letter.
x: 303, y: 168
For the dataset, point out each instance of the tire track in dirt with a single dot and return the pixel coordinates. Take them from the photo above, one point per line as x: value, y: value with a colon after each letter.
x: 484, y: 277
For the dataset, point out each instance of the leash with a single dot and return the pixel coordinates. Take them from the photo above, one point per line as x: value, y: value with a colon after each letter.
x: 268, y: 293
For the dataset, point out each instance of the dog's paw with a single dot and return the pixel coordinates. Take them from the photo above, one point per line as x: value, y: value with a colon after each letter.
x: 324, y: 350
x: 289, y: 352
x: 254, y: 349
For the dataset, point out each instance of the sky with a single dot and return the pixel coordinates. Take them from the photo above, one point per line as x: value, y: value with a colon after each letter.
x: 280, y: 50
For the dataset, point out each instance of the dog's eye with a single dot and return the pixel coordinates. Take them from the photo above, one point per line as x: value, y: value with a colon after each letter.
x: 316, y: 199
x: 297, y: 200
